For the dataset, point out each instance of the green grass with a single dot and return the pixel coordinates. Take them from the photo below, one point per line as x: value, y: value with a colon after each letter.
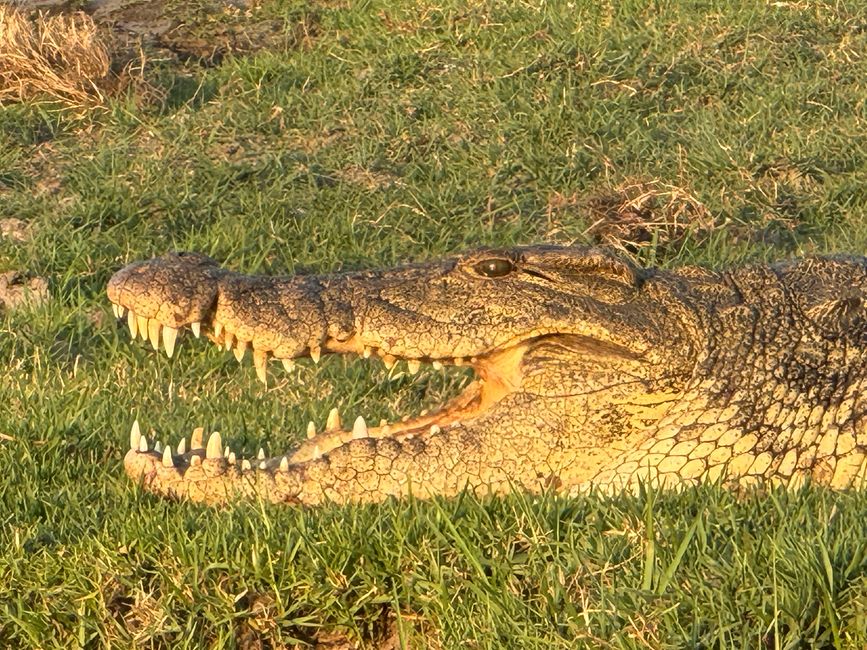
x: 398, y: 131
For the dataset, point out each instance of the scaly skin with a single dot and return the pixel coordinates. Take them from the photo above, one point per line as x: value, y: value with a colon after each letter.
x: 590, y: 372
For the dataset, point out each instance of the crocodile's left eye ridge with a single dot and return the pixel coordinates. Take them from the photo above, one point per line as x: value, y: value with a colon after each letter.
x: 495, y: 267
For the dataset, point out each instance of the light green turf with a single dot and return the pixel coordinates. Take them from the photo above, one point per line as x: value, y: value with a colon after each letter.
x: 403, y: 131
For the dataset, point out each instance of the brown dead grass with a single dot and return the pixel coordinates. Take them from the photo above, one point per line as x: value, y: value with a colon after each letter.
x: 61, y: 58
x: 638, y: 214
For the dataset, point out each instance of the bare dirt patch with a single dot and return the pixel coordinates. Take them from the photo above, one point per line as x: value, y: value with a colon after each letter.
x: 19, y: 290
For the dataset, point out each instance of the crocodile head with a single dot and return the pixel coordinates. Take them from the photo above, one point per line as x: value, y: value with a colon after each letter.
x: 586, y: 368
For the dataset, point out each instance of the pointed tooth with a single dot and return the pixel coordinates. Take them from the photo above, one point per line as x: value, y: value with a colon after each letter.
x: 383, y: 422
x: 311, y: 430
x: 218, y: 328
x: 240, y: 350
x: 284, y: 464
x: 215, y: 446
x: 132, y: 322
x: 121, y: 311
x: 142, y: 325
x: 316, y: 453
x: 333, y: 421
x: 315, y: 353
x: 359, y: 429
x: 263, y: 465
x: 367, y: 352
x: 170, y: 335
x: 389, y: 361
x: 232, y: 458
x: 195, y: 460
x: 228, y: 340
x: 154, y: 328
x: 114, y: 310
x: 134, y: 435
x: 261, y: 454
x: 158, y: 447
x: 288, y: 364
x: 413, y: 365
x: 245, y: 465
x: 143, y: 444
x: 437, y: 365
x: 182, y: 447
x: 226, y: 452
x: 260, y: 360
x: 196, y: 326
x: 196, y: 438
x: 168, y: 461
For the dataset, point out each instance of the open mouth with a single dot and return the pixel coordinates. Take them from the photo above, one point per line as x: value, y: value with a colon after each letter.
x: 497, y: 373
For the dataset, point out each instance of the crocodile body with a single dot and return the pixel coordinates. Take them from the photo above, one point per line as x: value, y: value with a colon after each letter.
x: 590, y: 372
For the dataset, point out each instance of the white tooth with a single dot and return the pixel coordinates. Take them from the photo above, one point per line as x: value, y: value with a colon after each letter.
x: 168, y: 461
x: 158, y: 447
x: 359, y: 429
x: 143, y: 444
x: 389, y: 361
x: 154, y: 328
x: 245, y: 465
x: 383, y: 422
x: 232, y: 458
x: 260, y: 360
x: 284, y: 464
x: 134, y: 435
x: 315, y: 353
x: 226, y: 452
x: 333, y: 421
x: 228, y: 341
x: 114, y: 310
x: 311, y: 430
x: 240, y: 350
x: 316, y: 453
x: 288, y: 365
x: 196, y: 438
x: 170, y: 335
x: 261, y: 454
x: 367, y: 352
x: 182, y: 447
x: 142, y: 325
x: 215, y: 446
x: 195, y: 460
x: 121, y: 311
x: 132, y: 321
x: 218, y: 328
x: 413, y: 365
x: 263, y: 465
x: 196, y: 326
x: 435, y: 429
x: 424, y: 412
x: 437, y: 365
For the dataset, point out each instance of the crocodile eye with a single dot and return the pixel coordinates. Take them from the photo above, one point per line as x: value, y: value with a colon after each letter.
x: 496, y: 267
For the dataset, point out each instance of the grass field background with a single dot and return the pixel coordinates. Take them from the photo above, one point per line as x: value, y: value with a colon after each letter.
x: 362, y: 135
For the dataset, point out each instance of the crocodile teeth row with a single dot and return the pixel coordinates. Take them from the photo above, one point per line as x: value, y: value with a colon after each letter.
x: 151, y: 329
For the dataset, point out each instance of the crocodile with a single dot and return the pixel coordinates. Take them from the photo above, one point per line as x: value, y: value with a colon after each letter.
x: 590, y: 373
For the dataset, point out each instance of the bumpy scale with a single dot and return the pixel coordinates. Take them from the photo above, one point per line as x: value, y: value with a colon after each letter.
x: 589, y: 372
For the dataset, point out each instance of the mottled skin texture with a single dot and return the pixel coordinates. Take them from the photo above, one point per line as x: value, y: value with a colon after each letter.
x: 590, y: 372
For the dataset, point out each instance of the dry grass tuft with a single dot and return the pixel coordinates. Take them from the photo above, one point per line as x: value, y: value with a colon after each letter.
x: 62, y: 58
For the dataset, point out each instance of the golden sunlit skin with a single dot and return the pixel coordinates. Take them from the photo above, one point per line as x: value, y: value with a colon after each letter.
x: 590, y: 372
